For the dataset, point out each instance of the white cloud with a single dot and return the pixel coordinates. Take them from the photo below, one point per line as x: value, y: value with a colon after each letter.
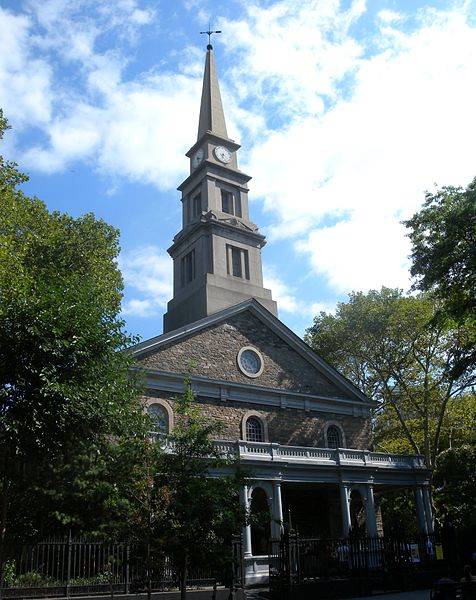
x: 147, y: 272
x: 126, y: 128
x: 340, y: 180
x: 389, y: 16
x: 287, y: 296
x: 343, y: 134
x: 360, y: 254
x: 25, y: 80
x: 291, y: 54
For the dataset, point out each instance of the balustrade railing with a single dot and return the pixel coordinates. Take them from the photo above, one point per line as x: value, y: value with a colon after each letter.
x: 309, y: 454
x: 338, y: 456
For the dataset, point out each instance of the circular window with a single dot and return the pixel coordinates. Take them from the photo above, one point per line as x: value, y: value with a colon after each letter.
x: 250, y: 362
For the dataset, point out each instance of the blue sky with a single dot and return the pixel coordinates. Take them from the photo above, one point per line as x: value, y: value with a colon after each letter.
x: 346, y: 111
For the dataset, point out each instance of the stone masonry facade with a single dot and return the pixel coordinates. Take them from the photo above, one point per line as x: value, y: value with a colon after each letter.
x: 285, y: 426
x: 212, y: 352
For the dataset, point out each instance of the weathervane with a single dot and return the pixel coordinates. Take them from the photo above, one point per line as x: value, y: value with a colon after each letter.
x: 209, y: 33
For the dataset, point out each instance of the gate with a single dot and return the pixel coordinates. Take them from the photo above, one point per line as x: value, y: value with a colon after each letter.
x: 284, y: 563
x: 294, y: 560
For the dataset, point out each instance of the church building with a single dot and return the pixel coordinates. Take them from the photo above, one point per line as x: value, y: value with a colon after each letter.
x: 297, y: 425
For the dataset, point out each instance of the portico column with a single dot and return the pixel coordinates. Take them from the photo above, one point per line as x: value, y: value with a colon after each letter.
x: 428, y: 511
x: 247, y: 528
x: 278, y: 508
x: 345, y: 507
x: 420, y: 508
x: 370, y: 517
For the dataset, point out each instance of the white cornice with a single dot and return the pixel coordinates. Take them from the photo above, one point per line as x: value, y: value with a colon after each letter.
x: 166, y: 381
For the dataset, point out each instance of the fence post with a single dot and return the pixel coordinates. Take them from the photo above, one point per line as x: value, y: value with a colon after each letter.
x: 126, y: 582
x: 68, y: 565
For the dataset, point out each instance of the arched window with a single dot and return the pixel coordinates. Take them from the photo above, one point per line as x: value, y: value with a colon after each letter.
x: 254, y: 430
x: 159, y: 417
x: 333, y: 437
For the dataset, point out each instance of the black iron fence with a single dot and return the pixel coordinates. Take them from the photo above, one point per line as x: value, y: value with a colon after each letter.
x: 295, y: 559
x: 73, y: 567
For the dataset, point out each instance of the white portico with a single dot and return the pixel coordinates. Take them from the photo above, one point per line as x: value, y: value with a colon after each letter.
x: 362, y: 471
x: 275, y: 466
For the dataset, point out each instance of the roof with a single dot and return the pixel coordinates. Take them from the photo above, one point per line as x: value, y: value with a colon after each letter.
x: 260, y: 312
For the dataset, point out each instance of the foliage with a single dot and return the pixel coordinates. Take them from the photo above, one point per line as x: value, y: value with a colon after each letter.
x: 457, y: 427
x: 192, y: 514
x: 443, y: 236
x: 9, y: 573
x: 66, y: 391
x: 455, y: 486
x: 390, y: 346
x: 398, y: 513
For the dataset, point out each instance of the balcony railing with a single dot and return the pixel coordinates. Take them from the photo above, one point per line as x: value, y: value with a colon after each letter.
x: 307, y: 455
x: 272, y: 452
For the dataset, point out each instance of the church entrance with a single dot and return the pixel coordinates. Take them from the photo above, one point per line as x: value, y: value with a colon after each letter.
x: 260, y: 522
x: 312, y: 510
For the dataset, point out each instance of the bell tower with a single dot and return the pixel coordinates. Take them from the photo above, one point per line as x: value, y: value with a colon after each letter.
x: 217, y: 253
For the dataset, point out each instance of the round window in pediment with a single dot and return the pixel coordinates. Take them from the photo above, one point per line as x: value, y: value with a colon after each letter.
x: 250, y: 361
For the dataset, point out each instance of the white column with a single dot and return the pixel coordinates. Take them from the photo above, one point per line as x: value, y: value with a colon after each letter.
x: 278, y: 508
x: 345, y: 507
x: 428, y: 511
x: 247, y: 529
x: 370, y: 517
x: 420, y: 508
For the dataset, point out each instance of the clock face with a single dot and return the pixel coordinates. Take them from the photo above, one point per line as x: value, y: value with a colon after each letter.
x: 197, y: 157
x: 250, y: 362
x: 223, y: 154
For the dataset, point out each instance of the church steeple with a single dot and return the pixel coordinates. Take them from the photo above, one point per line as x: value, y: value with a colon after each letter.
x: 212, y: 117
x: 217, y: 253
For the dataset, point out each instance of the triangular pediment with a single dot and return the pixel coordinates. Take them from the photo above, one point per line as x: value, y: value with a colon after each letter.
x: 211, y: 345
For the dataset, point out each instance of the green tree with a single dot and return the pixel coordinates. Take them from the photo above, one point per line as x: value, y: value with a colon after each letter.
x: 455, y: 486
x: 443, y: 237
x: 202, y: 512
x: 457, y: 428
x: 391, y: 347
x: 66, y: 390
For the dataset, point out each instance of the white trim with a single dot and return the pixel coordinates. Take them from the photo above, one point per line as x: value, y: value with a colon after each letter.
x: 240, y: 366
x: 341, y: 431
x: 166, y: 381
x: 262, y: 420
x: 170, y: 413
x: 266, y: 486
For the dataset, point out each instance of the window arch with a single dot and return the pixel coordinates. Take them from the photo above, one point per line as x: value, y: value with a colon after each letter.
x: 161, y: 417
x: 333, y: 437
x: 254, y: 430
x: 254, y: 427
